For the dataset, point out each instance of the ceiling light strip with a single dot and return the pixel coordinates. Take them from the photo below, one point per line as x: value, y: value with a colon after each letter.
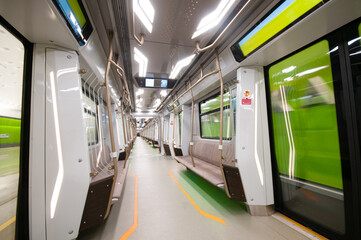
x: 145, y: 12
x: 214, y: 18
x: 143, y: 62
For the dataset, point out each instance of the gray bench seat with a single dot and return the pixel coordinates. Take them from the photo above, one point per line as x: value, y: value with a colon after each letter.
x: 206, y: 170
x: 119, y: 184
x: 206, y: 160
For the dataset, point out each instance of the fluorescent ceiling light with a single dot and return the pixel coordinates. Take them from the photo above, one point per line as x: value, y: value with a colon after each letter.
x: 139, y: 92
x: 212, y: 19
x: 143, y: 62
x: 181, y: 64
x: 163, y: 93
x: 145, y: 12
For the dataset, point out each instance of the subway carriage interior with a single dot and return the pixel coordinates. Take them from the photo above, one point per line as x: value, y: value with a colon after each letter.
x: 181, y: 119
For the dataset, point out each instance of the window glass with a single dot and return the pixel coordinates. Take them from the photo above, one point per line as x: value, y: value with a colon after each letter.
x: 210, y: 117
x: 214, y: 103
x: 90, y: 118
x: 178, y: 129
x: 305, y: 136
x: 11, y: 85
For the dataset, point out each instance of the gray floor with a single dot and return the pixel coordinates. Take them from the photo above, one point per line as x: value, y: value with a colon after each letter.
x: 164, y: 212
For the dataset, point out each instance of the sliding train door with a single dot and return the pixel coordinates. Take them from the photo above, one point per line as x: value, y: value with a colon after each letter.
x: 15, y: 82
x: 311, y: 124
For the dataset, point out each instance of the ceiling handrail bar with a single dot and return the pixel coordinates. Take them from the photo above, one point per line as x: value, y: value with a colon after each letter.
x: 199, y: 49
x: 122, y: 76
x: 195, y: 84
x: 141, y: 40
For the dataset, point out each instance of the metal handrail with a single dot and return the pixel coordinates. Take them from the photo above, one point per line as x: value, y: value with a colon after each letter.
x: 199, y: 49
x: 124, y: 134
x: 115, y: 161
x: 195, y: 84
x: 192, y: 121
x: 221, y: 124
x: 123, y: 77
x: 141, y: 40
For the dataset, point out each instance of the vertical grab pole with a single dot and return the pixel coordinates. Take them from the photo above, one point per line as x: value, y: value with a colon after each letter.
x: 124, y: 133
x: 110, y: 123
x: 129, y: 138
x: 173, y: 143
x: 162, y: 137
x: 192, y: 121
x: 221, y: 124
x: 127, y: 133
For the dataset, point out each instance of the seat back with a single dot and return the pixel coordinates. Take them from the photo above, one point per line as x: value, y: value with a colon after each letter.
x: 99, y: 157
x: 209, y: 152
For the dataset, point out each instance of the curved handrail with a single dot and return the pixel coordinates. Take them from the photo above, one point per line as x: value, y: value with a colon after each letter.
x: 199, y: 49
x: 195, y: 84
x: 141, y: 40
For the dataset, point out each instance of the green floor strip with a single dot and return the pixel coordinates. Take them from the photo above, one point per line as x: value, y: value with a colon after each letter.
x: 213, y: 195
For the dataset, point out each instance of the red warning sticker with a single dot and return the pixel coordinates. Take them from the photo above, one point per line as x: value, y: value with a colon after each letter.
x: 246, y: 101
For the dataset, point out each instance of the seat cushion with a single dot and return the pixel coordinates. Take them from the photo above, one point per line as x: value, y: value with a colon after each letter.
x: 206, y: 170
x: 119, y: 184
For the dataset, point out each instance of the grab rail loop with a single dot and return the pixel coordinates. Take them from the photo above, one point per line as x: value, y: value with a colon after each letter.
x: 199, y: 49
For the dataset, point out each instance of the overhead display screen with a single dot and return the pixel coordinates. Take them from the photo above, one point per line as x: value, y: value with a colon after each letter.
x: 149, y: 82
x: 279, y: 19
x: 76, y: 18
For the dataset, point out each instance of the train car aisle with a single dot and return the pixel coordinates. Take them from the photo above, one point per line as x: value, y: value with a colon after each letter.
x: 162, y: 200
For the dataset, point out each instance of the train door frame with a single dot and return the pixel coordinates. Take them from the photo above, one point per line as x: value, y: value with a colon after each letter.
x: 22, y: 211
x: 349, y: 152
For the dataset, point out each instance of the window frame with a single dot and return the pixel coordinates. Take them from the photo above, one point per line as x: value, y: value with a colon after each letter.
x: 200, y: 114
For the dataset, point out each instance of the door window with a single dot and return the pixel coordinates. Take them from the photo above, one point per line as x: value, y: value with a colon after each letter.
x: 305, y: 137
x: 11, y: 94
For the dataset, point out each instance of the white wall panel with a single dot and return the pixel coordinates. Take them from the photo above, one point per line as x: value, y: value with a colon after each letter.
x: 252, y: 137
x: 66, y: 151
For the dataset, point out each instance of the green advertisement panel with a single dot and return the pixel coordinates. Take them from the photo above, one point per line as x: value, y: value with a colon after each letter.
x: 9, y: 130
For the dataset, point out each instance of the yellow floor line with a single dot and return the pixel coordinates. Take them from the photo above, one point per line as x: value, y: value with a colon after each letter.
x: 195, y: 205
x: 303, y: 227
x: 7, y: 224
x: 135, y: 220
